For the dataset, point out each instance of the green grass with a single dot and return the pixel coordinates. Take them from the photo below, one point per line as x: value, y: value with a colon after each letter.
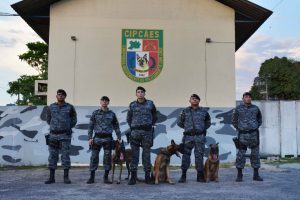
x: 284, y: 160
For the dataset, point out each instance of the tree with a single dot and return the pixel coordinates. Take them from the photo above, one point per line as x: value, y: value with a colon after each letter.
x: 23, y: 87
x: 282, y: 76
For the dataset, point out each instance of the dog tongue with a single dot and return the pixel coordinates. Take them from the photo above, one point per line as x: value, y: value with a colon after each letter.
x: 215, y: 157
x: 121, y: 156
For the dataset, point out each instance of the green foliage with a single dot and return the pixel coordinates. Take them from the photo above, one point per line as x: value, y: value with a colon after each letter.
x: 23, y: 87
x: 283, y: 79
x: 37, y: 57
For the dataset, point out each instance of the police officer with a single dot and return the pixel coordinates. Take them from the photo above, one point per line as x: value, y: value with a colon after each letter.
x: 102, y: 122
x: 61, y: 117
x: 247, y: 119
x: 195, y: 120
x: 141, y: 118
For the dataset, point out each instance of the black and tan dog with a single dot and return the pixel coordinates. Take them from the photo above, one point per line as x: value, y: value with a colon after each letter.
x: 211, y: 167
x: 162, y: 163
x: 120, y: 156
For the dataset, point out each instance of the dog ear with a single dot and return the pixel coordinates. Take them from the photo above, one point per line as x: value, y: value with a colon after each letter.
x: 138, y: 56
x: 172, y: 142
x: 145, y: 56
x: 217, y: 143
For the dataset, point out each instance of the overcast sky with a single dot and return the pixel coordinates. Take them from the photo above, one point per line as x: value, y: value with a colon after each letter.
x: 278, y: 36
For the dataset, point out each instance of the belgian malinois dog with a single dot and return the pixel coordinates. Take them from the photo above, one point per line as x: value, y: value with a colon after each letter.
x: 211, y: 167
x: 120, y: 156
x: 162, y: 163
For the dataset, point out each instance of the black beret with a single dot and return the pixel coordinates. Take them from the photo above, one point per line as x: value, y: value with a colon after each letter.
x: 195, y: 96
x: 61, y: 91
x: 104, y: 98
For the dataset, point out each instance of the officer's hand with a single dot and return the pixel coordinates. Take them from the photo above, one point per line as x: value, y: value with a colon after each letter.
x: 90, y: 141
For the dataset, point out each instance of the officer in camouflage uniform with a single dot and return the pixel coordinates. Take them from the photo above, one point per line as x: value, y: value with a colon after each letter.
x: 247, y: 119
x: 195, y: 120
x: 141, y: 118
x: 61, y: 117
x: 103, y: 122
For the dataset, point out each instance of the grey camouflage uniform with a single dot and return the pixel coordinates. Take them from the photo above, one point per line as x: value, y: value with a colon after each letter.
x: 61, y: 120
x: 247, y: 120
x: 140, y: 118
x: 102, y: 123
x: 195, y: 122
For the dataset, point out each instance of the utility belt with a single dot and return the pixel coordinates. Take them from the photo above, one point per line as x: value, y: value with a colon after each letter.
x: 142, y: 127
x: 60, y: 132
x: 56, y: 144
x: 103, y: 135
x: 107, y: 144
x: 194, y: 133
x: 248, y: 131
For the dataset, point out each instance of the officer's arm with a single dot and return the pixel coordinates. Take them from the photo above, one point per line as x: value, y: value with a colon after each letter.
x: 73, y: 116
x: 259, y: 118
x: 234, y: 119
x: 154, y: 115
x: 91, y: 126
x: 48, y: 115
x: 207, y: 121
x: 116, y: 127
x: 129, y: 116
x: 180, y: 119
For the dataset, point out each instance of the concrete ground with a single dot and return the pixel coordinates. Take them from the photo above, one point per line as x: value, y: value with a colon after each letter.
x: 279, y: 183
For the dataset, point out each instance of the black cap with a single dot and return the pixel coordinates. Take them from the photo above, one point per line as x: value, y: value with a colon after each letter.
x: 140, y: 88
x: 195, y: 96
x: 104, y: 98
x: 61, y: 91
x: 247, y: 94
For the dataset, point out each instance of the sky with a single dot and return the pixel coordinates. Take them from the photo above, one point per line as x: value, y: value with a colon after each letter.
x: 278, y: 36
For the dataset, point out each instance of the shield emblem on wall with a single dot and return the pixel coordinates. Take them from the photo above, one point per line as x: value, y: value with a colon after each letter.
x: 142, y: 54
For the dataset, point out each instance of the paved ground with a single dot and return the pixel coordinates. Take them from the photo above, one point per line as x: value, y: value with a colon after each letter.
x: 280, y: 183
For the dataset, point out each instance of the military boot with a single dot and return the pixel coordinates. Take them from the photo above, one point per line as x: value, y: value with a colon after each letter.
x: 132, y: 180
x: 52, y: 177
x: 239, y: 177
x: 92, y: 178
x: 66, y: 176
x: 183, y: 176
x: 105, y: 178
x: 256, y: 176
x: 148, y: 178
x: 200, y: 176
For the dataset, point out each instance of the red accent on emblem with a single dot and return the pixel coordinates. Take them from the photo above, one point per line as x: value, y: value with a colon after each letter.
x: 153, y: 62
x: 150, y: 45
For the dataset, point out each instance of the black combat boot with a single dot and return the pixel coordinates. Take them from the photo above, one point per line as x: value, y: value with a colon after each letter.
x: 256, y: 176
x: 92, y: 178
x: 52, y: 177
x: 183, y: 176
x: 105, y: 178
x: 66, y: 176
x: 132, y: 180
x: 200, y: 176
x: 239, y: 177
x: 148, y: 178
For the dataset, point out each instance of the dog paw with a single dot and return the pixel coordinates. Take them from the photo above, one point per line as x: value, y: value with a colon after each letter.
x: 118, y: 182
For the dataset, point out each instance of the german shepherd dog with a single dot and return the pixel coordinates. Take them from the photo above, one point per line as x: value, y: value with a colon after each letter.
x: 162, y: 163
x: 143, y: 62
x: 120, y: 156
x: 211, y: 167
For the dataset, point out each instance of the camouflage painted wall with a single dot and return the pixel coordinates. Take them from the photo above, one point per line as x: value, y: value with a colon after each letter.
x: 22, y: 132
